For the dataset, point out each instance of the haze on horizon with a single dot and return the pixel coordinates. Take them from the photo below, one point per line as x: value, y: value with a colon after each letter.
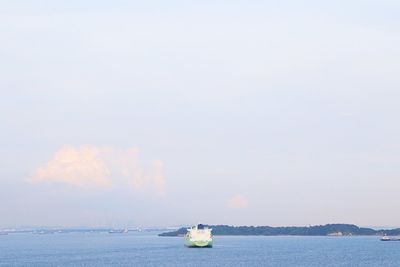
x: 223, y: 112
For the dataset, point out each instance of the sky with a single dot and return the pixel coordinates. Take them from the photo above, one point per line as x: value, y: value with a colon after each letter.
x: 160, y: 113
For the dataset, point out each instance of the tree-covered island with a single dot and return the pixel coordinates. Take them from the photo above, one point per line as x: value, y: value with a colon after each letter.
x: 316, y: 230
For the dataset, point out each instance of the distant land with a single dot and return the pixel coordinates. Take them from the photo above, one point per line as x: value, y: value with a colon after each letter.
x: 65, y: 230
x: 316, y: 230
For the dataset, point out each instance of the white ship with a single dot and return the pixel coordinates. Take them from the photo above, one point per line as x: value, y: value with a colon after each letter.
x: 199, y: 236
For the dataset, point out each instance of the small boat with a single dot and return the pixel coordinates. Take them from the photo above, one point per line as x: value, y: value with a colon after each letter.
x: 387, y: 238
x: 199, y: 236
x: 118, y: 231
x: 43, y: 232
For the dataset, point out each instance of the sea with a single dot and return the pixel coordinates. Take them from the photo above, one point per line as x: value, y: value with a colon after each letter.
x: 147, y: 249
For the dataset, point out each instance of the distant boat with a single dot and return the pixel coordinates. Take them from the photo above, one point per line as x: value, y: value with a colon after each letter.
x: 43, y: 232
x: 118, y: 231
x: 336, y: 234
x: 199, y: 236
x: 387, y: 238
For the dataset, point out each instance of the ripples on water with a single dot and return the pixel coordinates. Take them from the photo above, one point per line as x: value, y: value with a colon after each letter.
x: 147, y: 249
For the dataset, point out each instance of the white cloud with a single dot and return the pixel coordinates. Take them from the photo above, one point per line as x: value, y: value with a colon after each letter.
x: 91, y: 166
x: 76, y: 166
x: 237, y: 202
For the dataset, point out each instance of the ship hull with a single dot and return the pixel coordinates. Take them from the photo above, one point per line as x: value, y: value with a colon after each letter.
x: 198, y: 243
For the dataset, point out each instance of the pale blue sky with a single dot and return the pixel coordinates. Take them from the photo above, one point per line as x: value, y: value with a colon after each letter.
x: 242, y: 112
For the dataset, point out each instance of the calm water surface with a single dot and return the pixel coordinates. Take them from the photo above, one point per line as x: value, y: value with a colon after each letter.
x: 147, y: 249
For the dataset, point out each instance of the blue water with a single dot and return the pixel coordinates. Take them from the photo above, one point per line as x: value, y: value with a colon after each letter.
x: 147, y: 249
